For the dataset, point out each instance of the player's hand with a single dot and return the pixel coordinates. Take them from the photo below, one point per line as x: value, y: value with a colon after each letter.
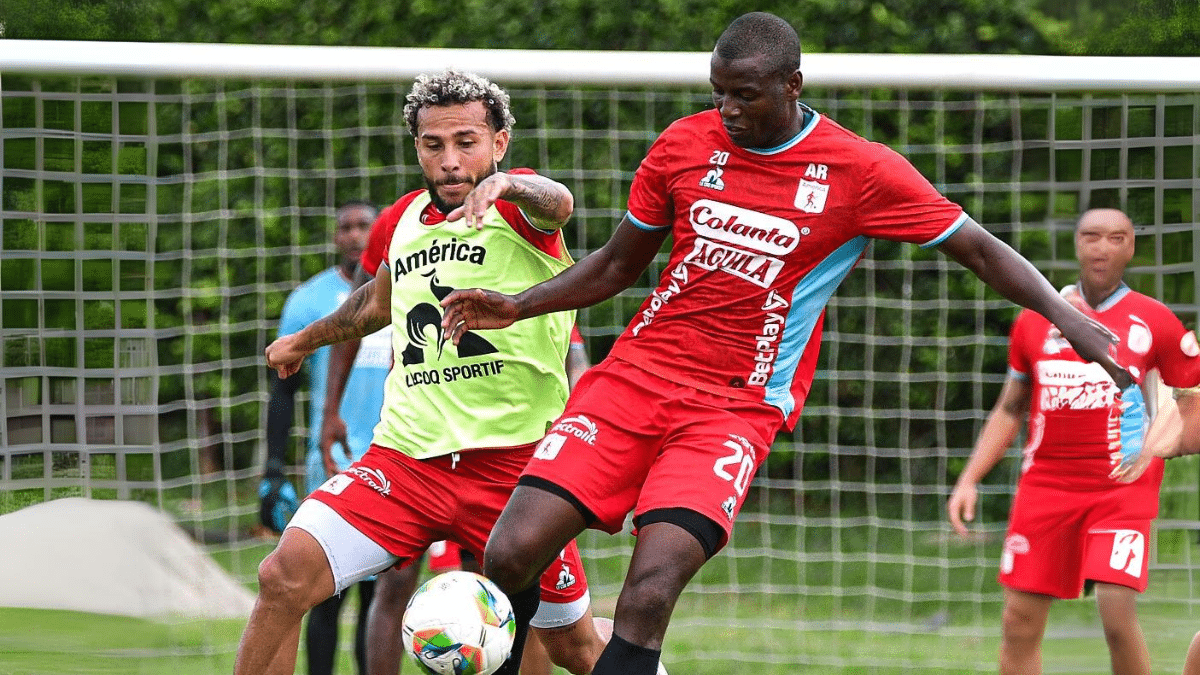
x: 285, y: 356
x: 1125, y: 451
x: 961, y: 507
x: 480, y: 199
x: 333, y: 432
x: 1093, y: 342
x: 277, y: 502
x: 475, y: 309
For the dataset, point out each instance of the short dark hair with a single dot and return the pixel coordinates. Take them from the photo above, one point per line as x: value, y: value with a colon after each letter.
x: 453, y: 87
x: 761, y: 34
x: 356, y: 204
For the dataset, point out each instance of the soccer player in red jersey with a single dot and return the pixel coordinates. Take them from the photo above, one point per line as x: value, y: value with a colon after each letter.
x: 769, y: 204
x: 1073, y: 520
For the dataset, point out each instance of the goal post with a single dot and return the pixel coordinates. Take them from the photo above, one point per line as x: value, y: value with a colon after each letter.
x: 161, y: 200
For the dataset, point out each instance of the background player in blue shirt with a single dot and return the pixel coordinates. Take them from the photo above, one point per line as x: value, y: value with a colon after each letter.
x: 313, y: 300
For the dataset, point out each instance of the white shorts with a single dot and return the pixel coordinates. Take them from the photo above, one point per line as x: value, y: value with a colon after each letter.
x: 351, y: 554
x: 560, y: 615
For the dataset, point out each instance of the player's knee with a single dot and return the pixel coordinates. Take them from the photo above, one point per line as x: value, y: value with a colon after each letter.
x: 1120, y: 634
x: 573, y: 649
x: 577, y: 662
x: 1019, y: 625
x: 651, y: 597
x: 281, y: 582
x: 509, y: 565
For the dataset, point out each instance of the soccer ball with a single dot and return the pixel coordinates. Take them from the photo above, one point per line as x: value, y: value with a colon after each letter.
x: 459, y: 623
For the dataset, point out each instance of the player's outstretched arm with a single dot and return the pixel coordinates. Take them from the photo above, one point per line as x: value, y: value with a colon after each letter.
x: 1002, y: 425
x: 366, y: 310
x: 548, y: 203
x: 341, y: 361
x: 608, y: 271
x: 1175, y: 431
x: 1015, y: 278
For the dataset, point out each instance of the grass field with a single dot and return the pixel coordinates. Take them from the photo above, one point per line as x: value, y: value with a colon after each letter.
x: 868, y: 597
x: 714, y: 633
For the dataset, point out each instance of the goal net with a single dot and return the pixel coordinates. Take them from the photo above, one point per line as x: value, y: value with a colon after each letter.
x: 160, y: 201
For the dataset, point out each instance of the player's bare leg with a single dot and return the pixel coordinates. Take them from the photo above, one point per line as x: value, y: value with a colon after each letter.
x: 291, y: 580
x: 1191, y: 665
x: 385, y: 647
x: 1023, y: 626
x: 1126, y: 643
x: 532, y: 529
x: 535, y: 660
x: 575, y: 647
x: 665, y: 558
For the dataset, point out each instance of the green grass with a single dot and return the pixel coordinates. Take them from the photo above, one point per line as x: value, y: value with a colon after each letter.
x: 859, y: 610
x: 48, y: 642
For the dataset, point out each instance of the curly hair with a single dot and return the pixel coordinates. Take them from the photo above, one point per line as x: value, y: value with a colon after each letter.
x: 454, y: 87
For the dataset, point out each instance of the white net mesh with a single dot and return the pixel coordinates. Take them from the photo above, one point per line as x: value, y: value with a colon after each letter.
x: 152, y: 228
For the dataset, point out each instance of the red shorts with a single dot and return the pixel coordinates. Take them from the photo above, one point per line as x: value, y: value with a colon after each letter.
x: 444, y: 556
x: 630, y: 440
x: 405, y: 505
x: 1058, y: 538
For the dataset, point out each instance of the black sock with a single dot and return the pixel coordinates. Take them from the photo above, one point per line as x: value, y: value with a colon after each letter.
x: 525, y: 605
x: 322, y: 636
x: 621, y: 657
x: 366, y: 592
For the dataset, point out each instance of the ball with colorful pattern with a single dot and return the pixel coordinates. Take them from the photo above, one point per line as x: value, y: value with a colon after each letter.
x: 458, y: 623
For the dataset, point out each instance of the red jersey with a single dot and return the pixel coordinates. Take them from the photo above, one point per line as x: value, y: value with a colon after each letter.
x: 385, y: 225
x: 762, y: 239
x: 1072, y: 413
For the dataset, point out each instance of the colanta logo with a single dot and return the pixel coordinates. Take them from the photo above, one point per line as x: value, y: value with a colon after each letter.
x: 743, y: 227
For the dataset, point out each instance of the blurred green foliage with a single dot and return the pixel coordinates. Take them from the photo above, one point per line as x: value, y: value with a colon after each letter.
x: 242, y: 200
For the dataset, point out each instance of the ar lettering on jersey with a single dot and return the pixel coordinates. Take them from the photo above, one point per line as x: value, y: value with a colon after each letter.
x: 817, y: 172
x: 455, y: 250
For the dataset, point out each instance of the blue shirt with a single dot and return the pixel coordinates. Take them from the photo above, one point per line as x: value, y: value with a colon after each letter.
x: 363, y: 399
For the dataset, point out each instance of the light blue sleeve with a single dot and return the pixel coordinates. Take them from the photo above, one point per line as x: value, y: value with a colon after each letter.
x: 297, y: 313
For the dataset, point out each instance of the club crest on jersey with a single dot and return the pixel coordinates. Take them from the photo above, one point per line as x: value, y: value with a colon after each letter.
x: 810, y: 196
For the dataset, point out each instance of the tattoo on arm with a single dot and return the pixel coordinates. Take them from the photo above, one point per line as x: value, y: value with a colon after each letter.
x: 542, y: 201
x: 356, y: 317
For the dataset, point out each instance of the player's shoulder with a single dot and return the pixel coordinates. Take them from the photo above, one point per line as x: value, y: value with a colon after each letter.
x: 1149, y: 309
x: 391, y: 215
x: 1028, y: 319
x: 323, y: 283
x: 1145, y: 302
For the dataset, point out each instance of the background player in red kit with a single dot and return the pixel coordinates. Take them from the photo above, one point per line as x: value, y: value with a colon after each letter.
x: 770, y: 205
x: 1071, y: 519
